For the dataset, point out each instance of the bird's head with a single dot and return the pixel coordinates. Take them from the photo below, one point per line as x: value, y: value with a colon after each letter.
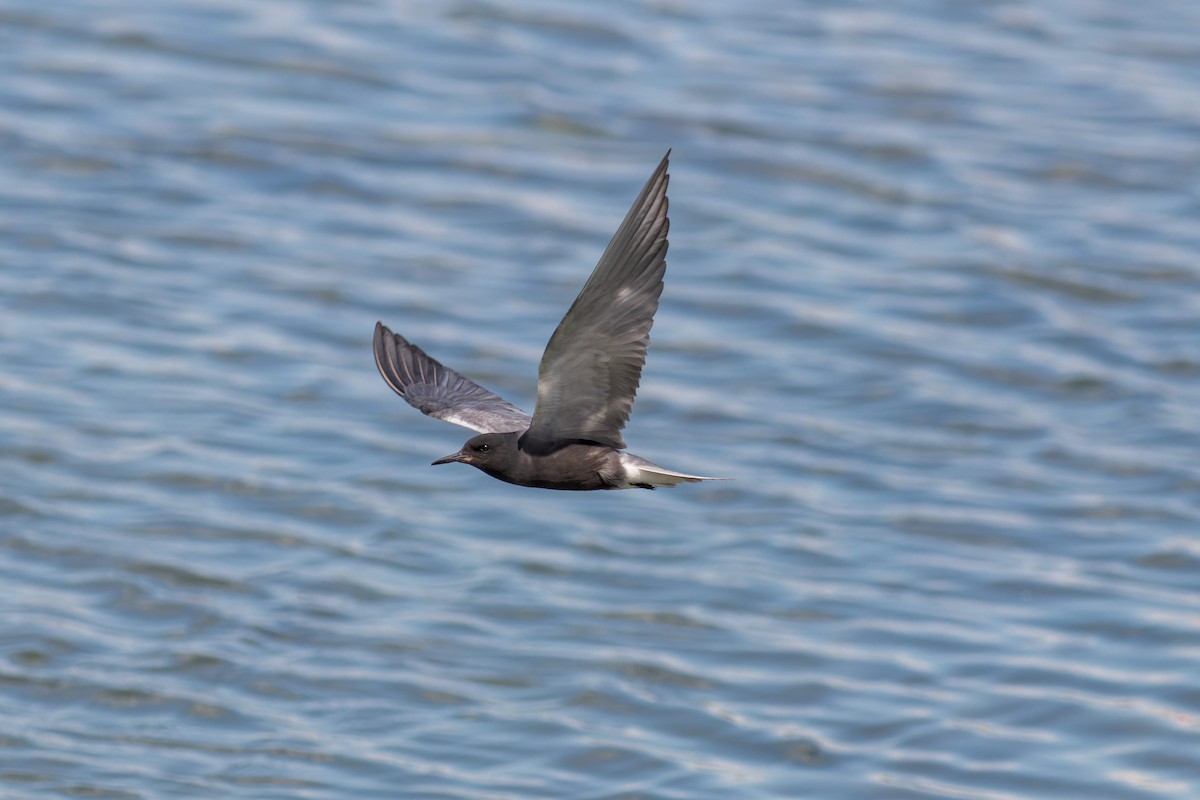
x: 483, y: 451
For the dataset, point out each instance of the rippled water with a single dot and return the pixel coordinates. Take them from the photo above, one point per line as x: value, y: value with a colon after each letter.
x: 932, y: 301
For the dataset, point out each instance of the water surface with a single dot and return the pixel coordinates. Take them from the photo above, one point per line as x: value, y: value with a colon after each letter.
x: 932, y: 302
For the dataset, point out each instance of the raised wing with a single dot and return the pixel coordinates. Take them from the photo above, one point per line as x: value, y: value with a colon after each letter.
x: 439, y: 391
x: 590, y: 371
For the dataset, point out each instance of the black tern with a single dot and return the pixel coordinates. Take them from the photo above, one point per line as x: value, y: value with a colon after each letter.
x: 587, y: 380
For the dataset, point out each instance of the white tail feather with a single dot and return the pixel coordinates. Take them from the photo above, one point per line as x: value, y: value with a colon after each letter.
x: 641, y: 473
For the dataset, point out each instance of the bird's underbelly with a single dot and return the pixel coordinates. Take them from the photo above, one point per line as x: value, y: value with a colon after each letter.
x: 571, y: 468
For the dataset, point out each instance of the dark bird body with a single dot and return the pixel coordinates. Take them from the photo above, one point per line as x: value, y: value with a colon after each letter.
x: 587, y: 380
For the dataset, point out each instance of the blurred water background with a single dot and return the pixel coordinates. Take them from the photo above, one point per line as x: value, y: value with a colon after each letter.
x: 932, y: 301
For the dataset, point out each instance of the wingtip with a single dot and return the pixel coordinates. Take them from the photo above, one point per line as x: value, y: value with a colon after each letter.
x: 382, y: 335
x: 382, y: 356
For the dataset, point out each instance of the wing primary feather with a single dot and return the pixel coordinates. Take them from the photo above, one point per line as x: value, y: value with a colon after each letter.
x: 440, y: 392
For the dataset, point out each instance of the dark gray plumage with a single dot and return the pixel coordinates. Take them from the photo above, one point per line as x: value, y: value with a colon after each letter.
x: 439, y: 391
x: 587, y: 380
x: 593, y: 364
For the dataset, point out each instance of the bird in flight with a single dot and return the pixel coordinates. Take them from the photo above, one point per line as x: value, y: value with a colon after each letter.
x: 586, y: 382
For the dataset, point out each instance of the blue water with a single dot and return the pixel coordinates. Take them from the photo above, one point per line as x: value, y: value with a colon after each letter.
x: 932, y: 301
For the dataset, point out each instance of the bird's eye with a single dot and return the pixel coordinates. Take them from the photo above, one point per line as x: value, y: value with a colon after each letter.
x: 483, y: 448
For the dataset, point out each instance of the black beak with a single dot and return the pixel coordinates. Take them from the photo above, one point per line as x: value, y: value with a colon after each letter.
x: 459, y: 456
